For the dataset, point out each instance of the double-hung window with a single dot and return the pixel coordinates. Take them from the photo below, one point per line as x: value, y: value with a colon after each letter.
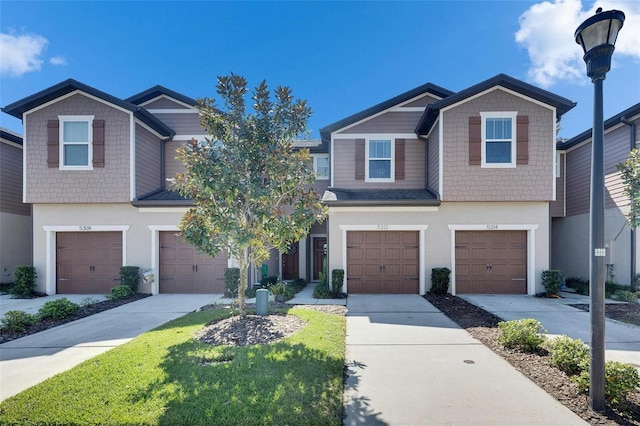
x: 498, y: 139
x: 76, y: 142
x: 379, y: 164
x: 321, y: 166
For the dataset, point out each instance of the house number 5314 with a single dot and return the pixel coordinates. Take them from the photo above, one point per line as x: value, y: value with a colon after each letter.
x: 492, y: 227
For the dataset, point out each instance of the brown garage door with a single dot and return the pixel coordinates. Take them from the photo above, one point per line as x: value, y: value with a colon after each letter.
x: 183, y: 270
x: 88, y: 262
x: 491, y: 262
x: 383, y: 262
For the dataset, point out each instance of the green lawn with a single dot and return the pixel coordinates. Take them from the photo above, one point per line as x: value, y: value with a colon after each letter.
x: 166, y: 377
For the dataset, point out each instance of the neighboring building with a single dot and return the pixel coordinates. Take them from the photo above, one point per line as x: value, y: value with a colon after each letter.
x: 432, y: 178
x: 15, y: 216
x: 570, y: 213
x: 96, y: 170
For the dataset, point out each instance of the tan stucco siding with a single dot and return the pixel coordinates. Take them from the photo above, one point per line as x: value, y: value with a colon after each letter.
x: 388, y: 122
x: 107, y: 184
x: 531, y: 182
x: 15, y: 244
x: 11, y: 181
x: 437, y: 242
x: 344, y: 161
x: 148, y: 161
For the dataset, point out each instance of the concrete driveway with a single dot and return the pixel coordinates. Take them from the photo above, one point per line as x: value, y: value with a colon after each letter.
x: 408, y: 364
x: 32, y: 359
x: 622, y: 340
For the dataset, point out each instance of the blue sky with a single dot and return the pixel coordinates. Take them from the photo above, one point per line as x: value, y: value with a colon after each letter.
x: 342, y: 57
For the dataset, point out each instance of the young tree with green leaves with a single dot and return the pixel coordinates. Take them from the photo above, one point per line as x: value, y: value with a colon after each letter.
x: 630, y: 174
x: 252, y: 190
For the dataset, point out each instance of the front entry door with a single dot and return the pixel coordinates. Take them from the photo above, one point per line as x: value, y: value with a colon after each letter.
x: 319, y: 245
x: 290, y: 263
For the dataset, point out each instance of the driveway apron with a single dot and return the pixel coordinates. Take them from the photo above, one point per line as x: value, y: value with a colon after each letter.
x: 30, y: 360
x: 409, y: 364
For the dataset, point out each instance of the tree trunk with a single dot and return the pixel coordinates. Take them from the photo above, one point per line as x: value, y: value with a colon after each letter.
x: 243, y: 264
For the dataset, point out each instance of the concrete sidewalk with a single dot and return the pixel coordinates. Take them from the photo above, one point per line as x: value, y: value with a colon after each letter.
x: 622, y: 340
x: 32, y: 359
x: 408, y: 364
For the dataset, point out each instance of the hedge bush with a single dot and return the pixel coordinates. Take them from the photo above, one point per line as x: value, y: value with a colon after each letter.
x: 522, y: 334
x: 18, y: 320
x: 569, y: 355
x: 120, y: 292
x: 24, y: 284
x: 58, y: 309
x: 619, y: 380
x: 130, y: 276
x: 440, y: 280
x: 231, y: 281
x: 552, y: 280
x: 337, y: 279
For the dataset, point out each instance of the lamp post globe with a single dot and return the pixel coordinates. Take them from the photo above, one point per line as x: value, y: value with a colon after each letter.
x: 597, y: 36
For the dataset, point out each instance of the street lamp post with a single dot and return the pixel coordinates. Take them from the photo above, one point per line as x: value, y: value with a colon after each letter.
x: 597, y: 36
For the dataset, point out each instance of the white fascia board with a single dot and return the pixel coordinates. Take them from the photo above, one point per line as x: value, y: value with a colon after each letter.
x: 163, y: 210
x: 13, y: 144
x: 554, y: 155
x: 189, y: 137
x: 174, y: 100
x: 149, y: 129
x: 609, y: 130
x: 494, y: 88
x: 77, y: 92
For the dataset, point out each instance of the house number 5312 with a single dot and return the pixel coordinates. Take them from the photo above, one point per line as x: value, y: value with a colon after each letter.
x: 84, y: 227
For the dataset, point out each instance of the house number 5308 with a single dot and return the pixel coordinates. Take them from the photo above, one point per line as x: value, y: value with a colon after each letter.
x: 85, y: 227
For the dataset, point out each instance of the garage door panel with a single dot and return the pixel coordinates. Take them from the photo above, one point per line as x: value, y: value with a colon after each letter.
x: 390, y: 263
x: 491, y: 262
x: 184, y: 270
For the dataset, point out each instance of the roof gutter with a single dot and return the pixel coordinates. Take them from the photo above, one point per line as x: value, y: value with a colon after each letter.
x: 632, y: 146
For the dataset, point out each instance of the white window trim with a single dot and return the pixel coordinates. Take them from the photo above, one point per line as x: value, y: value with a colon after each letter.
x: 89, y: 119
x: 315, y: 166
x: 392, y: 168
x: 499, y: 114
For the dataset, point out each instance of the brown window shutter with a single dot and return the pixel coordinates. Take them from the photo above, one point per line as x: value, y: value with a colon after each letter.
x: 475, y: 141
x: 399, y: 159
x: 360, y: 151
x: 53, y: 143
x: 522, y: 140
x: 98, y: 143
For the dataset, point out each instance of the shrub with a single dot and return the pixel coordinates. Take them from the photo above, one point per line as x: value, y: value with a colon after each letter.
x: 578, y: 284
x: 18, y: 320
x: 569, y: 355
x: 278, y: 289
x: 58, y: 309
x: 522, y: 334
x: 552, y: 281
x: 120, y: 292
x: 24, y: 281
x: 231, y: 281
x: 88, y: 301
x: 440, y: 280
x: 337, y: 279
x: 619, y: 380
x: 635, y: 283
x: 320, y: 291
x: 610, y: 288
x: 627, y: 296
x: 268, y: 281
x: 130, y: 276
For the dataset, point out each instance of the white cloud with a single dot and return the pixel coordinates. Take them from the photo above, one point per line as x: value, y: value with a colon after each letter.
x: 58, y: 60
x: 20, y: 54
x: 546, y: 31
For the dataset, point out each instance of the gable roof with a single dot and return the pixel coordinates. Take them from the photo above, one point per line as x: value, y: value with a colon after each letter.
x: 432, y: 111
x: 157, y: 91
x: 18, y: 108
x: 10, y: 136
x: 624, y: 115
x: 440, y: 92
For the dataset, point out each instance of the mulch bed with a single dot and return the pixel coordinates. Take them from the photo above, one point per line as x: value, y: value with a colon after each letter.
x: 84, y: 311
x: 483, y: 326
